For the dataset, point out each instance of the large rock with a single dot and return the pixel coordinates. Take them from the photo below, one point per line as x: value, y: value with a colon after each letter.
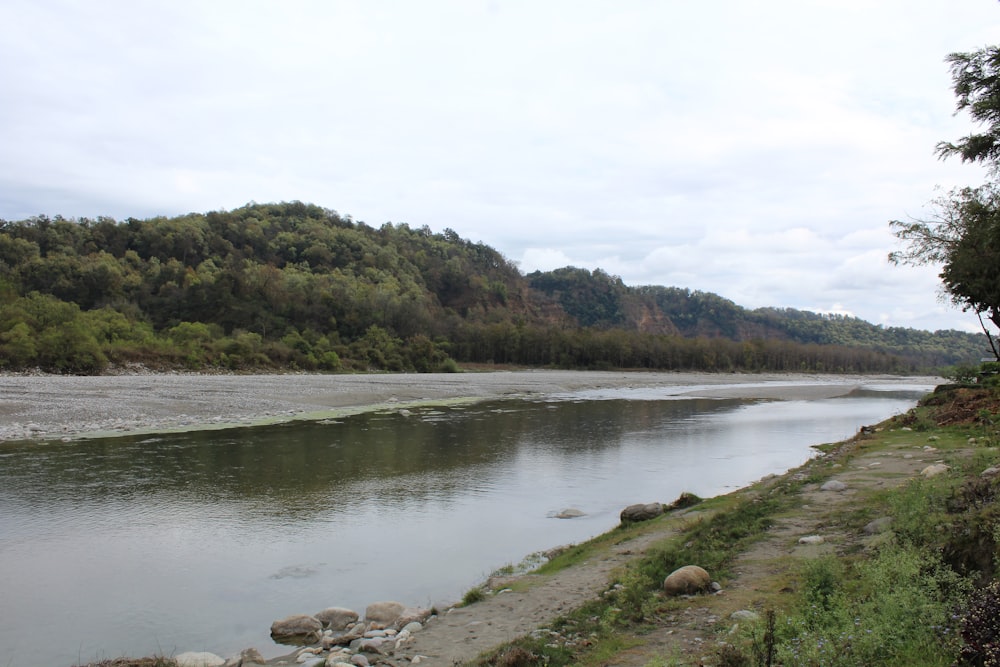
x: 833, y: 485
x: 297, y: 629
x: 385, y: 613
x: 641, y: 512
x: 934, y: 470
x: 880, y: 525
x: 198, y: 659
x: 247, y: 658
x: 412, y: 615
x: 337, y: 618
x: 687, y: 580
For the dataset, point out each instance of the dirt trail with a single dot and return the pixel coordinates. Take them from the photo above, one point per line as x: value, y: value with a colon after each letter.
x: 687, y: 635
x: 766, y: 568
x: 528, y: 604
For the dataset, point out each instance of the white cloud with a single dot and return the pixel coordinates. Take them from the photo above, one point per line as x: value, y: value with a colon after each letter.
x: 755, y: 150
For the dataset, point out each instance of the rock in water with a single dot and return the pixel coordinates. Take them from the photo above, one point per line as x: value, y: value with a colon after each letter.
x: 641, y: 512
x: 297, y: 629
x: 687, y: 580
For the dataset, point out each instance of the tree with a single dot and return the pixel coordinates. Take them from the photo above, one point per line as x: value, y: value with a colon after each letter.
x: 976, y: 79
x: 964, y: 239
x: 964, y: 236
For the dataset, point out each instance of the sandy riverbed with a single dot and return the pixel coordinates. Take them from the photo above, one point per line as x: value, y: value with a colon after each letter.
x: 51, y: 407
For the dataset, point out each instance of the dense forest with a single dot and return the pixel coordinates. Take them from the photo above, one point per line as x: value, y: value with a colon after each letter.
x: 297, y: 286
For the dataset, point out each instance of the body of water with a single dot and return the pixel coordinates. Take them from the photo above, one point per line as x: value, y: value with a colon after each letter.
x: 198, y: 541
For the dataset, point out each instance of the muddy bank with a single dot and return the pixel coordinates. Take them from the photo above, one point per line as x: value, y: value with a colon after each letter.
x: 53, y: 407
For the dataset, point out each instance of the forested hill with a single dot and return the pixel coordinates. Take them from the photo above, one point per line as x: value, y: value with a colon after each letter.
x: 293, y: 285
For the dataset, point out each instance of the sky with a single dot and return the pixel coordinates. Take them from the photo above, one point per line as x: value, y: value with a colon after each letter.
x: 754, y: 150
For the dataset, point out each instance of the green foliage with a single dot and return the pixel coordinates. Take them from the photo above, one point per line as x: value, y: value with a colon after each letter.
x: 976, y: 78
x: 892, y: 609
x: 473, y: 595
x: 980, y: 628
x: 292, y: 285
x: 964, y: 236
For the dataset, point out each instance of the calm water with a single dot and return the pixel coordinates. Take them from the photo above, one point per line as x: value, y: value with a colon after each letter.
x: 198, y: 541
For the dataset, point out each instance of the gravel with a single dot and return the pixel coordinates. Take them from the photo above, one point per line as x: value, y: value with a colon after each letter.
x: 43, y: 407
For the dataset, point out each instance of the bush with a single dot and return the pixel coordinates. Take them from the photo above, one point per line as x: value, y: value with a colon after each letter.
x: 981, y: 628
x: 893, y: 609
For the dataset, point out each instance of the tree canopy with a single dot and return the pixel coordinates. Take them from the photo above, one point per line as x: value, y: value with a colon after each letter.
x: 296, y: 286
x: 976, y: 82
x: 964, y: 235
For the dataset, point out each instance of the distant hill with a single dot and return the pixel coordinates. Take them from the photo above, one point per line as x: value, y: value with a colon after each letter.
x: 294, y: 285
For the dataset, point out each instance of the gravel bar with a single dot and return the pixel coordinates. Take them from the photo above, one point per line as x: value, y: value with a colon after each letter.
x: 46, y: 407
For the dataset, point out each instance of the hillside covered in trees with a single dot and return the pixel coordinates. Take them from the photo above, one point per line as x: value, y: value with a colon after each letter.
x: 297, y: 286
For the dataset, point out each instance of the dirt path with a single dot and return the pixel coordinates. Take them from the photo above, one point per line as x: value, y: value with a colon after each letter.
x: 687, y: 635
x: 518, y: 606
x: 766, y: 570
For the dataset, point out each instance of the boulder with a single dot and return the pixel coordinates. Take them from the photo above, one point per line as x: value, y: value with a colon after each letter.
x: 641, y: 512
x: 337, y: 618
x: 934, y: 470
x: 411, y: 615
x: 247, y: 658
x: 745, y: 615
x: 992, y: 471
x: 198, y: 659
x: 833, y: 485
x: 297, y: 629
x: 811, y: 539
x: 376, y: 645
x: 385, y: 613
x: 880, y: 525
x: 687, y: 580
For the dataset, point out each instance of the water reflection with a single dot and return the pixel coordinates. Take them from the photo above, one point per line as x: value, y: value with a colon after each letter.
x: 197, y: 541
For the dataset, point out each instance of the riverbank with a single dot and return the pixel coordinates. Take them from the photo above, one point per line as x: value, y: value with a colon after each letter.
x: 860, y: 526
x: 41, y: 407
x: 205, y: 400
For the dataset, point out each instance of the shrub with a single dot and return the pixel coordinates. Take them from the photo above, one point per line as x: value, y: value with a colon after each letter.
x: 981, y: 628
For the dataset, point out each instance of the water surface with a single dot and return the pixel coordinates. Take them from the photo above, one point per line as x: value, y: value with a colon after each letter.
x: 198, y: 541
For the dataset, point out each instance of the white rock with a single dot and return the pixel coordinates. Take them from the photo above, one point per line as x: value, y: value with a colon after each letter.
x: 198, y: 659
x: 833, y: 485
x: 744, y: 615
x: 811, y: 539
x: 934, y: 470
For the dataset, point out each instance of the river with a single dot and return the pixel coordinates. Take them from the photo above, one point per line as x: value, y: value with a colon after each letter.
x: 197, y: 541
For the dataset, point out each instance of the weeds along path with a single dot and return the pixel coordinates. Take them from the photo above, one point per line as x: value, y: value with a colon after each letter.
x: 765, y: 573
x: 516, y: 606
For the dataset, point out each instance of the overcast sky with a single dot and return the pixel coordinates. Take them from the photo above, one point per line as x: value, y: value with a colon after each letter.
x: 752, y: 149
